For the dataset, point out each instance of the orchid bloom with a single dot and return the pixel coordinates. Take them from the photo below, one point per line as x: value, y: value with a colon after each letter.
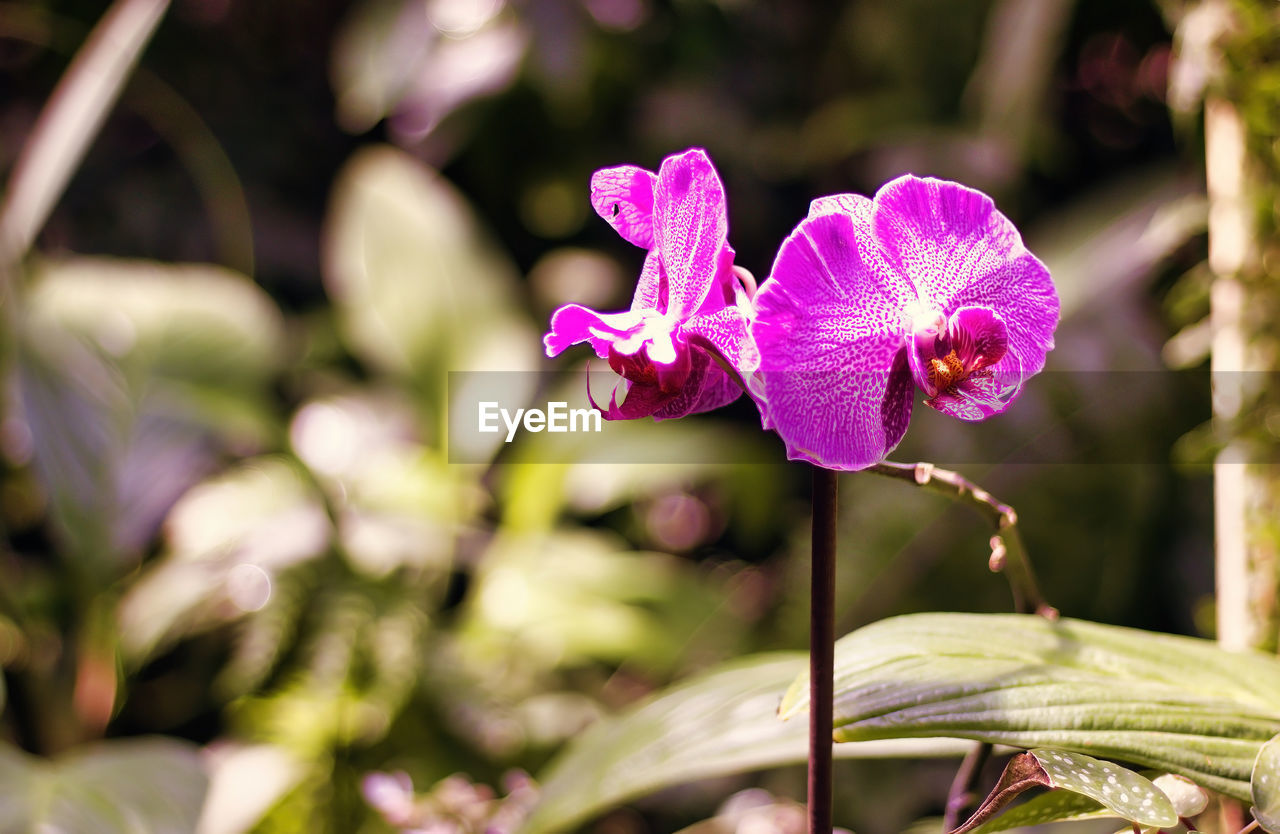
x: 689, y: 301
x: 927, y: 284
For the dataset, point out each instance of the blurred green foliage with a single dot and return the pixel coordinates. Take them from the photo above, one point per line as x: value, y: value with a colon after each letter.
x: 229, y: 513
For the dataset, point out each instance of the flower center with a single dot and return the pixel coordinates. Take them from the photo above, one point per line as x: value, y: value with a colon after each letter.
x: 947, y: 371
x: 951, y: 352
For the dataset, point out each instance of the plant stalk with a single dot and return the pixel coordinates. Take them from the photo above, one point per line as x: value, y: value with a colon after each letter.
x: 1008, y: 555
x: 961, y: 796
x: 822, y: 618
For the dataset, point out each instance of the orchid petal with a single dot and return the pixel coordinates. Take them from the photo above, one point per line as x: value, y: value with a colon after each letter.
x: 651, y: 291
x: 960, y: 251
x: 623, y: 196
x: 727, y: 332
x: 574, y: 323
x: 690, y: 311
x: 707, y: 388
x: 854, y: 204
x: 831, y: 336
x: 690, y: 228
x: 640, y: 400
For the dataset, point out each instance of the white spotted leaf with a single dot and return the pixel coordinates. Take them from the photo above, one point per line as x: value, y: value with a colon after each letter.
x: 1265, y: 784
x: 1187, y: 798
x: 1125, y: 793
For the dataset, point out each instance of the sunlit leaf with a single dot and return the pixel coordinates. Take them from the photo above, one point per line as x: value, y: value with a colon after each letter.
x: 563, y: 598
x: 156, y: 785
x: 133, y: 375
x: 393, y: 55
x: 417, y: 285
x: 400, y: 504
x: 1265, y: 786
x: 77, y: 410
x: 376, y: 54
x: 346, y: 680
x: 191, y: 322
x: 1186, y: 798
x: 1174, y: 703
x: 723, y: 722
x: 245, y: 781
x: 224, y: 542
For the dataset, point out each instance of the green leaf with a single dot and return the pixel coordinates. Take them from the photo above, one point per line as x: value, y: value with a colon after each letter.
x: 377, y: 53
x: 198, y: 324
x: 418, y: 287
x: 1127, y: 794
x: 77, y: 409
x: 226, y: 540
x: 390, y: 56
x: 1265, y: 786
x: 156, y: 785
x: 719, y: 723
x: 1186, y: 798
x: 245, y: 782
x: 1174, y: 703
x: 132, y: 374
x: 1054, y: 806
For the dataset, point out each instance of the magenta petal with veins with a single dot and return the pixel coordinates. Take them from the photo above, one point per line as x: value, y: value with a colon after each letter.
x: 927, y: 285
x: 690, y: 311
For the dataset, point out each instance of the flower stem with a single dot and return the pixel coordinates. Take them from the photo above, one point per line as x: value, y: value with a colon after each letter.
x: 961, y: 796
x: 822, y: 649
x: 1008, y: 554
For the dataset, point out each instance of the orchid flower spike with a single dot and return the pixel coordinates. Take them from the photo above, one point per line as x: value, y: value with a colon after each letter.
x: 929, y: 286
x: 691, y: 308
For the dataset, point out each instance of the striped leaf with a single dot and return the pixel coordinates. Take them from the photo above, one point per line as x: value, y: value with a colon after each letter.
x: 722, y: 722
x: 1173, y: 703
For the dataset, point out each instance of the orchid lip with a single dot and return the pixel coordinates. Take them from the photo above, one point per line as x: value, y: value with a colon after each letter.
x: 655, y: 334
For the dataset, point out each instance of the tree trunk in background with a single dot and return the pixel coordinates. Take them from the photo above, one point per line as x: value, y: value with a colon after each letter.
x: 1240, y: 66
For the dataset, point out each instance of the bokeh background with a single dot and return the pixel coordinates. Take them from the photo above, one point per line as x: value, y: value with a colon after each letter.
x: 233, y: 540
